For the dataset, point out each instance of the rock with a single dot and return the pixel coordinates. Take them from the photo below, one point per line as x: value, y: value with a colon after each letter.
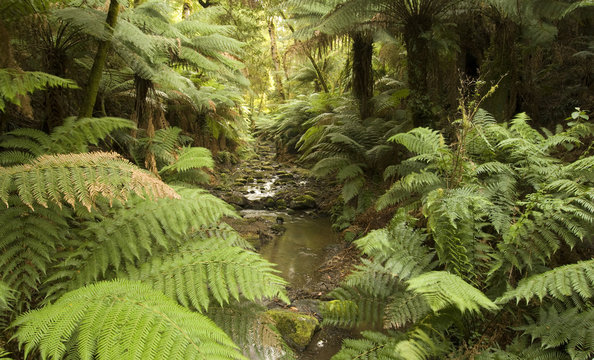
x: 236, y: 198
x: 281, y: 204
x: 303, y: 202
x: 296, y: 329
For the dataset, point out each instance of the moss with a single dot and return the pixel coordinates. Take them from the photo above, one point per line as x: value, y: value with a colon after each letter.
x: 303, y: 202
x: 297, y: 329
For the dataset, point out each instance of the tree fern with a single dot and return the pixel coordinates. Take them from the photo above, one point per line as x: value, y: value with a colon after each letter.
x: 128, y: 233
x: 73, y: 136
x: 124, y: 320
x: 78, y: 179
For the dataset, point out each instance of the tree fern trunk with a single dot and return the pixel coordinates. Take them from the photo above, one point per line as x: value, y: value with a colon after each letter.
x: 362, y: 73
x: 86, y: 110
x: 275, y: 60
x: 417, y: 60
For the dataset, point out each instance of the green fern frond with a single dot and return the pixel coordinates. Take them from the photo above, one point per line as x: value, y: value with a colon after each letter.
x: 408, y: 186
x: 89, y: 21
x: 559, y: 283
x: 76, y: 133
x: 420, y: 141
x: 442, y: 289
x: 28, y: 245
x: 79, y: 179
x: 373, y: 345
x: 131, y: 232
x: 354, y: 307
x: 569, y: 329
x: 404, y: 308
x: 14, y: 83
x: 198, y: 273
x: 73, y: 136
x: 6, y: 297
x: 121, y: 319
x: 190, y: 158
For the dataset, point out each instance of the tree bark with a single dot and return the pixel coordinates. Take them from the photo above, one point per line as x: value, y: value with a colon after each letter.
x: 8, y: 61
x: 187, y: 10
x: 275, y: 59
x: 86, y: 110
x: 417, y: 61
x: 362, y: 73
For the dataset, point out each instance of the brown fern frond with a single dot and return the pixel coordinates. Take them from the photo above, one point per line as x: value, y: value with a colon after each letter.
x: 78, y: 179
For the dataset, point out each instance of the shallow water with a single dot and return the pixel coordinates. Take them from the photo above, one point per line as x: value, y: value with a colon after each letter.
x: 300, y: 251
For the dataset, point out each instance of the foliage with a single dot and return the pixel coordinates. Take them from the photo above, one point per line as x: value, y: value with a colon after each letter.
x: 74, y: 136
x: 495, y: 209
x: 83, y: 322
x: 14, y: 84
x: 60, y: 253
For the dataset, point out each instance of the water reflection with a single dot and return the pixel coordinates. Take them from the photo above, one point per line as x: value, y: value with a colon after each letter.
x: 300, y: 251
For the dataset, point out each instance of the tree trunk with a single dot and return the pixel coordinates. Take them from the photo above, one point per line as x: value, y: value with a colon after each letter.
x: 187, y: 10
x: 417, y: 61
x: 275, y: 59
x: 8, y: 61
x: 311, y: 59
x: 86, y: 110
x: 362, y: 73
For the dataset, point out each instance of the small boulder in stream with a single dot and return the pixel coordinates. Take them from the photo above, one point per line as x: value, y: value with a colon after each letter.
x: 303, y: 202
x: 297, y: 329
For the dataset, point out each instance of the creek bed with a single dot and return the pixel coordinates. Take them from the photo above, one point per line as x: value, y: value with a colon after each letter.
x: 299, y: 253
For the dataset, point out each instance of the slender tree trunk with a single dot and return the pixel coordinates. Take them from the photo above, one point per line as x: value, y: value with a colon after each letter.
x: 362, y: 73
x: 311, y: 59
x: 86, y: 110
x: 318, y: 72
x: 275, y: 59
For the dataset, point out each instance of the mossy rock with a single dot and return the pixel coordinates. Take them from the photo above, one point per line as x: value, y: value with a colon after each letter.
x: 303, y: 202
x: 281, y: 204
x: 296, y: 329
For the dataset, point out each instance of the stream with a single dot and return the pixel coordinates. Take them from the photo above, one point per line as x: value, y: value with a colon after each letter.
x: 298, y: 253
x: 266, y: 192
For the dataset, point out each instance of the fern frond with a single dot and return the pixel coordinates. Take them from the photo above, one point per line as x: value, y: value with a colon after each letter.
x: 420, y: 141
x: 28, y: 245
x: 76, y: 133
x: 354, y: 307
x: 79, y: 179
x: 14, y: 83
x: 125, y: 320
x: 559, y: 283
x: 571, y: 329
x: 442, y: 289
x: 130, y: 233
x: 73, y: 136
x: 198, y: 273
x: 373, y: 345
x: 408, y: 186
x: 404, y: 308
x: 190, y: 158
